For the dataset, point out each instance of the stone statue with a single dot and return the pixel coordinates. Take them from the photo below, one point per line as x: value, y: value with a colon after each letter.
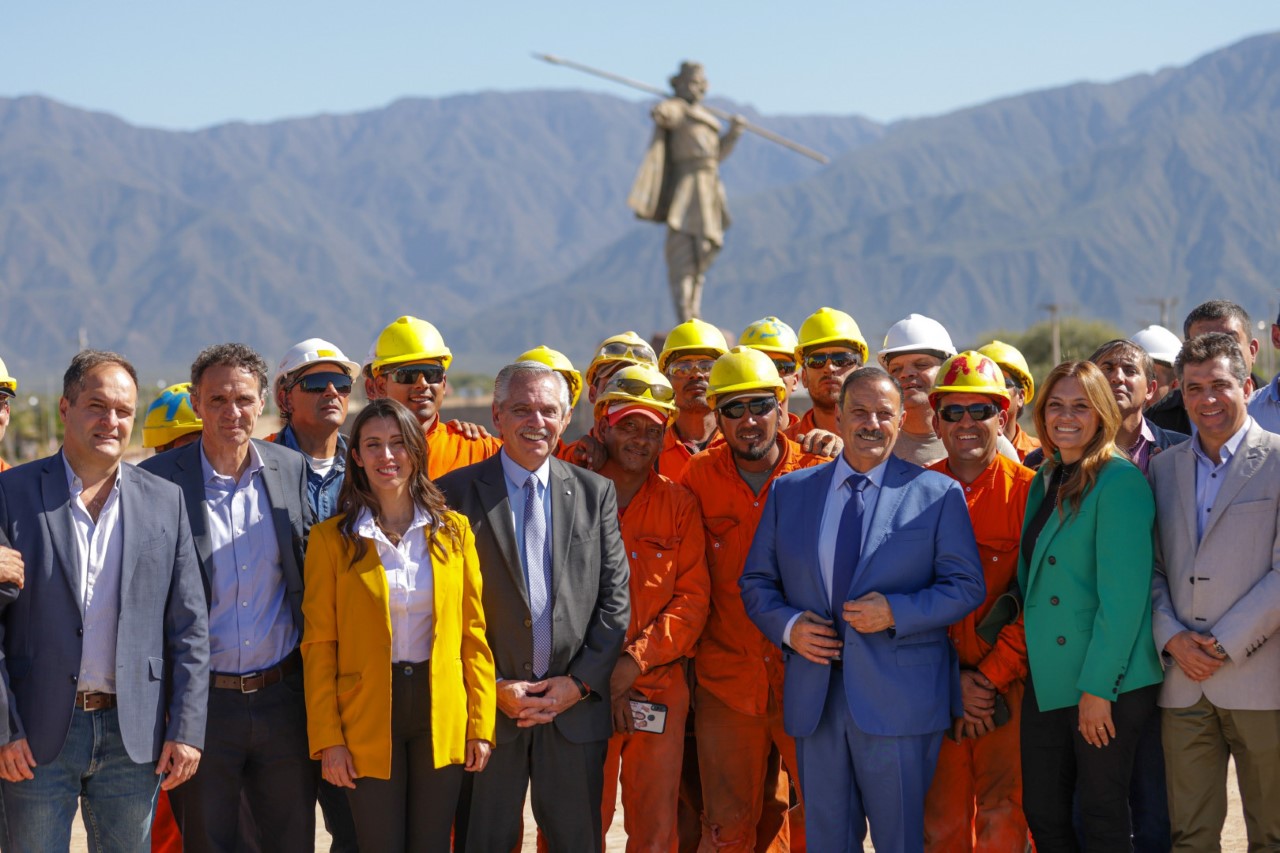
x: 679, y: 184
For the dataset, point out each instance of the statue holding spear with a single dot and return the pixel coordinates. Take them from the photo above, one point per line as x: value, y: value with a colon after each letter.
x: 679, y: 180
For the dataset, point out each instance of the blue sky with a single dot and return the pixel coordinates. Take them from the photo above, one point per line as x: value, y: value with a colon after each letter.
x: 181, y: 64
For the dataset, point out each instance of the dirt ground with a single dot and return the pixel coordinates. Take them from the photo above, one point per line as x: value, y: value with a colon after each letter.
x: 1233, y: 837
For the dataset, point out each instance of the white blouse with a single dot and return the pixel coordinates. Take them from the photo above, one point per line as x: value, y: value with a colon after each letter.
x: 410, y: 584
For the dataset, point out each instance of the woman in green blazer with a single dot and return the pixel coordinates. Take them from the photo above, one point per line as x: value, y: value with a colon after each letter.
x: 1085, y: 572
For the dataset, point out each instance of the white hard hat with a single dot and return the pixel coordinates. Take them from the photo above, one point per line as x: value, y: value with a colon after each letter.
x: 916, y: 333
x: 1160, y: 343
x: 367, y: 367
x: 313, y: 351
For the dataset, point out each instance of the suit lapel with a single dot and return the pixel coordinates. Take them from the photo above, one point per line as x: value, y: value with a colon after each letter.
x: 811, y: 520
x: 57, y: 515
x: 1243, y: 465
x: 564, y: 503
x: 131, y: 514
x: 491, y: 487
x: 887, y: 503
x: 191, y: 479
x: 278, y: 497
x: 1052, y: 525
x: 1185, y: 478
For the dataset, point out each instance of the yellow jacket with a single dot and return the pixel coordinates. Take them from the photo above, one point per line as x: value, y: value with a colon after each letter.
x: 346, y: 652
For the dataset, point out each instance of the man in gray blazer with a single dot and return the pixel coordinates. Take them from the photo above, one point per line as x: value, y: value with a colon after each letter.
x: 247, y: 500
x: 557, y: 608
x: 104, y: 660
x: 1216, y: 594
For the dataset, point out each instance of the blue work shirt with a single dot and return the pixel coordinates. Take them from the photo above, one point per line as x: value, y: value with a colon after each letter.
x: 322, y: 489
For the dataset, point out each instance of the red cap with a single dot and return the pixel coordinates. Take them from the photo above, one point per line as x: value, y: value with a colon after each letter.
x: 618, y: 411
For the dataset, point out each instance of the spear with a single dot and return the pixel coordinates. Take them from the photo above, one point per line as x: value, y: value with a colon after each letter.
x: 662, y: 93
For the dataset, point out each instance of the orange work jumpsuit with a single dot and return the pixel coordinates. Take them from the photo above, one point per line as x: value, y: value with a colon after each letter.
x: 448, y: 449
x: 1024, y: 442
x: 799, y: 426
x: 739, y: 671
x: 670, y: 593
x: 676, y: 454
x: 975, y: 801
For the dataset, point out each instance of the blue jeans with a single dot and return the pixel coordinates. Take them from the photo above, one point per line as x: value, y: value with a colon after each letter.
x: 117, y: 796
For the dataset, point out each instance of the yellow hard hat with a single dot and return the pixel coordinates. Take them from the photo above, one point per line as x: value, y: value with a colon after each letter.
x: 637, y: 385
x: 828, y: 327
x: 7, y: 382
x: 170, y: 416
x: 1008, y: 358
x: 409, y: 339
x: 692, y: 336
x: 969, y: 372
x: 560, y: 363
x: 628, y: 348
x: 743, y: 369
x: 770, y: 334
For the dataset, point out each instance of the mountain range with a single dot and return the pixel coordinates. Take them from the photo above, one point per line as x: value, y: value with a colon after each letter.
x: 501, y: 217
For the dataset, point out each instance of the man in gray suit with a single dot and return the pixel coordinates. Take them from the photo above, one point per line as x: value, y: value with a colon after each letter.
x: 557, y: 608
x: 247, y: 500
x: 104, y: 661
x: 1216, y: 593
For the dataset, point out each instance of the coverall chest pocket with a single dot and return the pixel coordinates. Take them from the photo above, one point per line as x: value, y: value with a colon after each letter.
x: 653, y: 563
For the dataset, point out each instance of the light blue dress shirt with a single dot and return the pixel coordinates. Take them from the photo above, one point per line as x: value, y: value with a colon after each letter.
x: 838, y: 495
x: 515, y: 477
x: 1210, y: 474
x: 1264, y: 405
x: 251, y: 627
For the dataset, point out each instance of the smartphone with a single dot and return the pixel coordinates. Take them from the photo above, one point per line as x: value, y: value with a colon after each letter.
x: 649, y: 717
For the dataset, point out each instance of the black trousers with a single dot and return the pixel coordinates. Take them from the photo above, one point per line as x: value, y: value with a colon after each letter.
x: 565, y: 781
x: 256, y: 742
x: 413, y: 810
x: 1058, y: 765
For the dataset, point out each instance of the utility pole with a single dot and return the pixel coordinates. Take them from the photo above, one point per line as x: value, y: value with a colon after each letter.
x: 1055, y: 319
x: 1165, y: 304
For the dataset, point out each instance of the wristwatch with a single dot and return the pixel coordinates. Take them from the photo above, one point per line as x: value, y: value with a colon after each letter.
x: 1220, y: 649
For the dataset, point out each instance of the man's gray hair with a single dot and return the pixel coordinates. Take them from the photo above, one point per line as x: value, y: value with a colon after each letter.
x: 523, y: 370
x: 1209, y: 346
x: 870, y: 373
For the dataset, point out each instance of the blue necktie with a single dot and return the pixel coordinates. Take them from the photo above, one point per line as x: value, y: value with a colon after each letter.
x: 848, y: 549
x: 536, y: 562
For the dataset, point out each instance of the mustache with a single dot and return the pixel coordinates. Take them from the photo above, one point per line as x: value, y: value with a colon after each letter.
x: 870, y: 434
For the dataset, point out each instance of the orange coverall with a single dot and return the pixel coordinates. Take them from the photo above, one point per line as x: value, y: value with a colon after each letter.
x: 670, y: 593
x: 739, y: 671
x: 676, y: 454
x: 1024, y: 442
x: 975, y: 801
x: 448, y: 449
x: 798, y: 426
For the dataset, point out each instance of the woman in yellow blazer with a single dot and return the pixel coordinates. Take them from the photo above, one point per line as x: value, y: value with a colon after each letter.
x: 399, y: 677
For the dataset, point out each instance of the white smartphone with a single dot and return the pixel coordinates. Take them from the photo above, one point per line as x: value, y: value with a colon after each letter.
x: 649, y: 717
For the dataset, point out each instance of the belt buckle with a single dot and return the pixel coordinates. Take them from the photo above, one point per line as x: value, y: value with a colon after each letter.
x: 245, y: 679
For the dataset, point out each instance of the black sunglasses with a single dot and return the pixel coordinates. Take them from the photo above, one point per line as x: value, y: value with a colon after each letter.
x: 954, y: 413
x: 839, y: 360
x: 639, y: 388
x: 316, y: 383
x: 759, y: 407
x: 786, y: 366
x: 432, y: 373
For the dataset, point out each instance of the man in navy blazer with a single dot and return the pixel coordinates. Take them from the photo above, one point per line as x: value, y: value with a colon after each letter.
x: 871, y: 679
x: 104, y: 663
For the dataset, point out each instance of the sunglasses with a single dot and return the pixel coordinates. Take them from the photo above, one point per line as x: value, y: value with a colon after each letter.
x: 618, y: 349
x: 1011, y: 383
x: 786, y: 366
x: 683, y: 369
x: 640, y: 388
x: 759, y: 407
x: 317, y: 383
x: 839, y: 360
x: 954, y: 413
x: 432, y: 373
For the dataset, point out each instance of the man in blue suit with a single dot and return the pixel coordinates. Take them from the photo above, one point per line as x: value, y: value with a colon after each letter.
x: 104, y: 665
x: 871, y: 678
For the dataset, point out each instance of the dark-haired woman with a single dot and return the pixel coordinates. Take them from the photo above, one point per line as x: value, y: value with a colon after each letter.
x: 1085, y: 571
x: 399, y: 677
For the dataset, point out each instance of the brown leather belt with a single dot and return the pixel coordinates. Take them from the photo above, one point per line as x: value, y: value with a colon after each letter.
x: 252, y: 682
x: 91, y: 701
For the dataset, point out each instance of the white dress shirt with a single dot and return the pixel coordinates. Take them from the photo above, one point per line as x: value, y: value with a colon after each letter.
x: 410, y: 585
x: 99, y: 556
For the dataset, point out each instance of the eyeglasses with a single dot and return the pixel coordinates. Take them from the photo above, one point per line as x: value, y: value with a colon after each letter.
x: 317, y: 383
x: 839, y: 360
x: 685, y: 369
x: 408, y: 375
x: 786, y: 366
x: 640, y: 388
x: 621, y: 349
x: 760, y: 406
x: 1011, y: 383
x: 954, y: 413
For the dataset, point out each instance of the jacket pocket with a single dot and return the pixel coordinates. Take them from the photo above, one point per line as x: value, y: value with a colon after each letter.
x: 157, y: 668
x: 1084, y: 619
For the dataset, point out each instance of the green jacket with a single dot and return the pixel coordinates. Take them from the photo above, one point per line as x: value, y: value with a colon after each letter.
x: 1087, y: 591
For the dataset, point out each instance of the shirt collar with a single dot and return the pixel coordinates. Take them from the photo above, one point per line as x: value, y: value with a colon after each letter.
x: 368, y: 528
x: 1146, y: 432
x: 1273, y: 389
x: 517, y: 475
x: 1228, y: 450
x: 875, y: 476
x: 210, y: 475
x: 75, y: 485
